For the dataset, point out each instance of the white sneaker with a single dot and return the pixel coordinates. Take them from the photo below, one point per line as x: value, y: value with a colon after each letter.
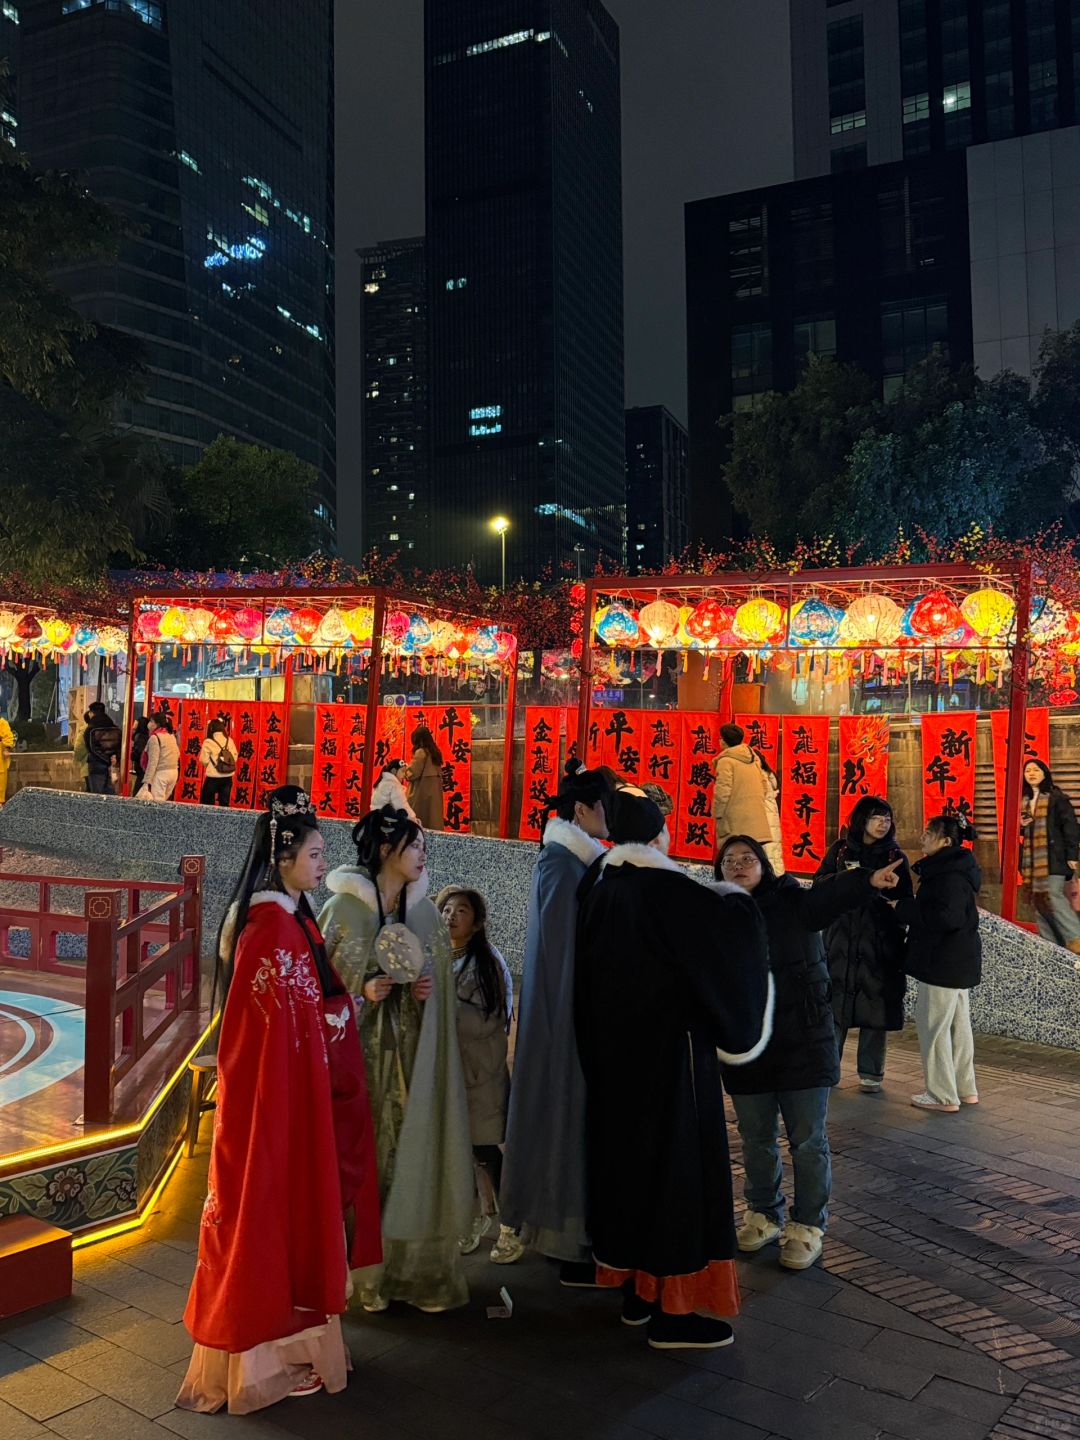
x: 480, y: 1226
x: 870, y: 1087
x: 926, y: 1101
x: 373, y: 1302
x: 507, y: 1248
x: 756, y: 1232
x: 800, y: 1246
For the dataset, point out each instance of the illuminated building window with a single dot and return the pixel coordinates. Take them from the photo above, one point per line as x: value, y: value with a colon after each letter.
x: 517, y: 37
x: 370, y: 288
x: 458, y: 284
x: 957, y: 97
x: 394, y: 535
x: 854, y: 120
x: 10, y: 12
x: 148, y: 11
x: 916, y: 107
x: 485, y: 412
x: 188, y: 160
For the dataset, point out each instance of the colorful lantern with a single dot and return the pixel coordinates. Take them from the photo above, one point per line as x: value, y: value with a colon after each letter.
x: 934, y: 616
x: 659, y: 620
x: 442, y: 632
x: 111, y: 640
x: 484, y: 642
x: 332, y: 633
x: 360, y: 623
x: 56, y: 632
x: 247, y: 623
x: 871, y: 621
x: 221, y: 626
x: 708, y: 621
x: 197, y: 623
x: 1050, y: 620
x: 419, y: 632
x: 9, y: 624
x: 616, y: 625
x: 149, y: 625
x: 507, y: 644
x: 757, y: 621
x: 86, y: 639
x: 458, y: 647
x: 813, y: 622
x: 279, y: 625
x: 988, y: 612
x: 396, y: 626
x: 305, y: 625
x: 28, y: 630
x: 172, y: 623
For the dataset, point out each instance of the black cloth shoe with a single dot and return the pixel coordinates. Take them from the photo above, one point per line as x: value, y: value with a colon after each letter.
x: 688, y: 1332
x: 635, y: 1311
x: 578, y: 1275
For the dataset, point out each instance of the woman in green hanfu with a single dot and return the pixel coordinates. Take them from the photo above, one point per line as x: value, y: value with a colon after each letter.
x: 392, y: 949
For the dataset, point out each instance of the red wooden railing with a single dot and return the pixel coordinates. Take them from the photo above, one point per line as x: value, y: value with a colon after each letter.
x: 126, y: 958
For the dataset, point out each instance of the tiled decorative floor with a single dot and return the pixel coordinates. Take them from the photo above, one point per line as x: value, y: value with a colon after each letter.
x: 948, y: 1305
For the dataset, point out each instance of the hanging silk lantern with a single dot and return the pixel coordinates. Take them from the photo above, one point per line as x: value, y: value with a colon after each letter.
x: 659, y: 621
x: 85, y: 639
x: 616, y: 625
x: 305, y: 625
x: 934, y: 616
x: 149, y: 625
x: 813, y: 622
x: 360, y: 623
x: 111, y: 640
x: 458, y: 647
x: 197, y: 625
x: 396, y: 626
x: 419, y: 631
x: 56, y: 632
x: 221, y: 626
x: 442, y: 632
x: 685, y: 640
x: 172, y: 623
x: 757, y: 621
x: 576, y: 648
x: 708, y: 621
x: 28, y: 630
x: 332, y: 633
x: 1050, y: 620
x: 484, y: 642
x: 872, y: 621
x: 988, y: 612
x: 247, y: 623
x: 279, y: 625
x: 507, y: 644
x: 9, y: 624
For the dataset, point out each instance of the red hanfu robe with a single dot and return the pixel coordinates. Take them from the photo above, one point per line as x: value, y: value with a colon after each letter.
x: 272, y: 1245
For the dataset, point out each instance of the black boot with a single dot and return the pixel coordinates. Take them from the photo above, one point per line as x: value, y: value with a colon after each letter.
x: 688, y: 1332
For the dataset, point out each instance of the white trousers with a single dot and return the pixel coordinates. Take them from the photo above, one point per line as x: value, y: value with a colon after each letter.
x: 946, y: 1042
x: 161, y: 787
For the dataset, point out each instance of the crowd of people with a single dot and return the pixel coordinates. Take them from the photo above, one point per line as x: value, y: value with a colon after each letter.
x: 367, y: 1134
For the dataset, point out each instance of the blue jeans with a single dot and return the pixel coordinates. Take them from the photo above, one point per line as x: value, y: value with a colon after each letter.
x: 804, y: 1114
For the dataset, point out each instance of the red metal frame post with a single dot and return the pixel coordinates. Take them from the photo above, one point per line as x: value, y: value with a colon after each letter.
x: 1014, y: 768
x: 374, y: 677
x: 508, y: 746
x: 287, y: 694
x: 129, y: 710
x: 100, y: 909
x: 192, y: 872
x: 585, y: 692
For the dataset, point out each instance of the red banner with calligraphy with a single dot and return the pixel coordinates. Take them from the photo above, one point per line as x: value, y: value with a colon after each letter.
x: 662, y: 739
x: 803, y: 791
x: 352, y: 736
x: 620, y: 742
x: 190, y: 728
x: 763, y: 735
x: 1036, y: 747
x: 948, y: 762
x: 694, y: 832
x: 272, y: 755
x: 864, y: 760
x: 326, y: 759
x: 570, y: 730
x: 541, y: 779
x: 451, y: 725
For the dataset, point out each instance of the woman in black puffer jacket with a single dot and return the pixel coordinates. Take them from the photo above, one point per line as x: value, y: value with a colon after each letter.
x: 866, y: 946
x: 792, y: 1078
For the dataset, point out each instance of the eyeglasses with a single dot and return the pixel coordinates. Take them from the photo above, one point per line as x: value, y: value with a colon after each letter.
x: 743, y: 862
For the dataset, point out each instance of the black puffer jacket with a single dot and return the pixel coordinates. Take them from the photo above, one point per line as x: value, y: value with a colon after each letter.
x: 802, y: 1053
x: 1062, y: 832
x: 866, y: 946
x: 943, y: 946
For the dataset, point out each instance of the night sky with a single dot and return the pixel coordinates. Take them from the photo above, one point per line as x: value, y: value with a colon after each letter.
x: 706, y: 109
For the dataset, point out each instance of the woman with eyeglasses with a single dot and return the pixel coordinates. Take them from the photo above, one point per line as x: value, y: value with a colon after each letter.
x: 792, y: 1078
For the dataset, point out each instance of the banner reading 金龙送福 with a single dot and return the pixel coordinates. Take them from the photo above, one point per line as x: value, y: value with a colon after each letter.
x: 948, y: 764
x: 803, y: 790
x: 864, y: 760
x: 272, y: 752
x: 1036, y: 747
x: 541, y: 778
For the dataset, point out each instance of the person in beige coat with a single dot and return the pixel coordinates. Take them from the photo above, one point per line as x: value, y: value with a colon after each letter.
x: 425, y: 779
x: 740, y: 805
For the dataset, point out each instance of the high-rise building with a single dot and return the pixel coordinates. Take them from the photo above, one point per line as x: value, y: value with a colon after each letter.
x: 210, y: 129
x: 524, y: 251
x: 938, y: 179
x: 396, y: 482
x: 657, y: 494
x: 881, y: 80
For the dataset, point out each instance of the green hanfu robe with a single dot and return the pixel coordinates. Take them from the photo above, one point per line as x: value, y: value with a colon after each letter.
x: 417, y: 1091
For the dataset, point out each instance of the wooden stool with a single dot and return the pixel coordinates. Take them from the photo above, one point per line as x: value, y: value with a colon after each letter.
x: 203, y: 1073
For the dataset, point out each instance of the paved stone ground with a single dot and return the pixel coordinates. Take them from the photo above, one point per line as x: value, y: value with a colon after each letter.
x: 948, y: 1306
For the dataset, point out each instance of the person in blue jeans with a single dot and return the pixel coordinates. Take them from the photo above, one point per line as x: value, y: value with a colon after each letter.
x: 792, y: 1078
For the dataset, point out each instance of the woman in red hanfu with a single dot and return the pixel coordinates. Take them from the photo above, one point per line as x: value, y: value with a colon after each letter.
x: 292, y: 1201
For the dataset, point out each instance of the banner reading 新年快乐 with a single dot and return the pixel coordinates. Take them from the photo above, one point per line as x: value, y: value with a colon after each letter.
x: 863, y: 760
x: 1036, y: 747
x: 948, y: 764
x: 804, y: 790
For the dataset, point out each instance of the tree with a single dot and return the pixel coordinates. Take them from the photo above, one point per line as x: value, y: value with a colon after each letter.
x: 242, y: 507
x: 23, y: 669
x: 950, y: 452
x: 788, y: 468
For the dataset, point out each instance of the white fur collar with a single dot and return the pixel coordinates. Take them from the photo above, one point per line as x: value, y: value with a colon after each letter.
x: 571, y: 837
x: 646, y: 857
x: 725, y: 887
x: 260, y: 897
x: 350, y: 880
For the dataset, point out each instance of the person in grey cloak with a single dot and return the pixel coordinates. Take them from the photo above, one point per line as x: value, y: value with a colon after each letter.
x: 543, y: 1181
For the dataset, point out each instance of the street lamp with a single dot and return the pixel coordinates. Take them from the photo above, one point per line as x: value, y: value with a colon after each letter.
x: 501, y: 525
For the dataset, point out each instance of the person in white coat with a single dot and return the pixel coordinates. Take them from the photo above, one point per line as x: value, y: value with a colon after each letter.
x: 390, y: 791
x: 774, y: 848
x: 162, y: 760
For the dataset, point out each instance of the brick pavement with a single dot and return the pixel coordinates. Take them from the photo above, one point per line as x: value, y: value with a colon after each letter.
x: 948, y: 1305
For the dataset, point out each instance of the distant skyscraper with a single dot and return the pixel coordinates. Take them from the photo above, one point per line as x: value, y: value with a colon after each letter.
x: 396, y: 482
x: 210, y: 128
x: 657, y: 497
x: 524, y: 241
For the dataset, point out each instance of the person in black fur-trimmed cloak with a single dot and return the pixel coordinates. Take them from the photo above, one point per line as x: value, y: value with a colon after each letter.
x: 672, y: 978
